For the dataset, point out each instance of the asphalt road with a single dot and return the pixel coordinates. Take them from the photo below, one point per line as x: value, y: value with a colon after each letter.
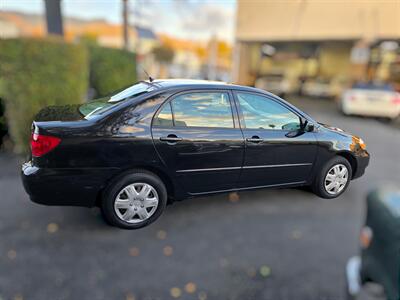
x: 269, y: 244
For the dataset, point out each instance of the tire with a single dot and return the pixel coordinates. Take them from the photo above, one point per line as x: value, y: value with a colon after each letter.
x: 321, y: 180
x: 141, y: 198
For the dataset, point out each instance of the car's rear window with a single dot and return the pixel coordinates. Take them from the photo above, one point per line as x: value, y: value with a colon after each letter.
x: 99, y: 106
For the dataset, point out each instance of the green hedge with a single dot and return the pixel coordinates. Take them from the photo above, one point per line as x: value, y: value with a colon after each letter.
x: 35, y: 73
x: 68, y: 112
x: 111, y: 69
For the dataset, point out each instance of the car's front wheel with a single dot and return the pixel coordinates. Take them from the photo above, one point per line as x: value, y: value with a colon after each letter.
x: 134, y: 200
x: 333, y: 179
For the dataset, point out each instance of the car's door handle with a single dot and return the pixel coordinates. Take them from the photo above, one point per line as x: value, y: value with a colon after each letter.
x: 254, y: 139
x: 170, y: 138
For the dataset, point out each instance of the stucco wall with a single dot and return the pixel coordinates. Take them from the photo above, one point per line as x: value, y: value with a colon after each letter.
x: 280, y: 20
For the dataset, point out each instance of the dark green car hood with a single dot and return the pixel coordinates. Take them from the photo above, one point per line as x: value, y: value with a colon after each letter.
x: 381, y: 260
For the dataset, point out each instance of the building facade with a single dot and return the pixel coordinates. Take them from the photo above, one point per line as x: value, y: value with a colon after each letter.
x: 347, y: 40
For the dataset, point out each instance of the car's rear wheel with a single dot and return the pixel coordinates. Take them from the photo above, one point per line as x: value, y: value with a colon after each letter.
x: 333, y: 179
x: 134, y: 200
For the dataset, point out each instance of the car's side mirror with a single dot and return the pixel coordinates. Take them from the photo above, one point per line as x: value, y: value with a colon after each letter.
x: 310, y: 127
x: 294, y: 133
x: 305, y: 126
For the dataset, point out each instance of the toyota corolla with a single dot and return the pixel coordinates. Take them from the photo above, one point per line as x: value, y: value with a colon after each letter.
x: 166, y: 140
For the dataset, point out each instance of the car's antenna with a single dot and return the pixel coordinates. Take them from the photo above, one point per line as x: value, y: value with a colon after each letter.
x: 150, y: 78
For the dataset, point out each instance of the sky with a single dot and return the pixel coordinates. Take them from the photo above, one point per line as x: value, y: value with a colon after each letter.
x: 189, y: 19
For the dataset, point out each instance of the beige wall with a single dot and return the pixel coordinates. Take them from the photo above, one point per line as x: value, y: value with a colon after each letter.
x: 274, y: 20
x: 242, y: 73
x: 334, y: 60
x: 341, y: 21
x: 8, y: 29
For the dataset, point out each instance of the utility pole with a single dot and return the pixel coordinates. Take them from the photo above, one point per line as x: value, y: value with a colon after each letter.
x: 54, y: 17
x: 125, y: 11
x: 213, y: 58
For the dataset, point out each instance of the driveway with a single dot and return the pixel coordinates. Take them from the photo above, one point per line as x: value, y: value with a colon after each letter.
x: 265, y: 244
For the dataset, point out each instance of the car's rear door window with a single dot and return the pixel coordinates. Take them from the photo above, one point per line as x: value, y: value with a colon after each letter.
x: 197, y: 109
x: 260, y: 112
x: 164, y: 117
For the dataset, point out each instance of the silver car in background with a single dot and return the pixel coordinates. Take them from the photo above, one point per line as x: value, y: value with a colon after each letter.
x: 372, y: 100
x: 277, y: 84
x: 329, y: 88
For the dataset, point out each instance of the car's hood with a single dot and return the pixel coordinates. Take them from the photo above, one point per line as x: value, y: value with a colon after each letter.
x: 335, y: 129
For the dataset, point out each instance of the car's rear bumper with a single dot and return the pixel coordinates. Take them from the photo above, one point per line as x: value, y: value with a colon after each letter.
x: 374, y: 109
x: 64, y: 186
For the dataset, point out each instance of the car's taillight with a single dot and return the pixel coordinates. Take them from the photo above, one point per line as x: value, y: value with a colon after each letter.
x: 42, y: 144
x: 352, y: 98
x: 366, y: 236
x: 396, y: 100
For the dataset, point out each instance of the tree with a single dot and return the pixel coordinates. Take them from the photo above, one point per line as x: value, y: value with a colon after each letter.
x: 54, y: 17
x: 163, y: 54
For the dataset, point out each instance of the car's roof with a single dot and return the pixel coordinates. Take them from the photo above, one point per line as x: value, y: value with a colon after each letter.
x: 195, y: 83
x: 179, y: 82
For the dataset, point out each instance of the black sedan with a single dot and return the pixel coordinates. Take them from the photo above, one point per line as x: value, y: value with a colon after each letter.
x: 166, y: 140
x: 375, y: 274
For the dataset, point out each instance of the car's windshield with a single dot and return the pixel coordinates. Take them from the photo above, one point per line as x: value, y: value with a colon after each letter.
x: 392, y: 201
x: 99, y: 106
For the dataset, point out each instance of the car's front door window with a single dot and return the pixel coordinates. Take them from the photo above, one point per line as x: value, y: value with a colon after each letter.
x: 259, y: 112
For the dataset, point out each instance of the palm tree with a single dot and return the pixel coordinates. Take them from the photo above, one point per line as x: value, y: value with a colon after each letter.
x: 163, y: 56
